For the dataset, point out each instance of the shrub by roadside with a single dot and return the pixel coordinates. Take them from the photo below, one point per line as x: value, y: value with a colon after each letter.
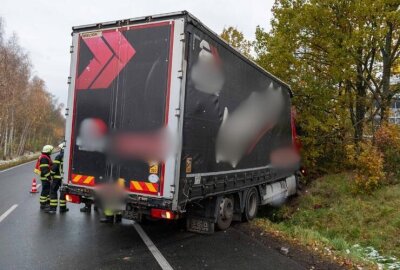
x: 376, y: 162
x: 387, y: 139
x: 368, y: 167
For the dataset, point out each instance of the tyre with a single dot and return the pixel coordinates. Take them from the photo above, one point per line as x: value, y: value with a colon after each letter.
x: 225, y: 216
x: 251, y: 204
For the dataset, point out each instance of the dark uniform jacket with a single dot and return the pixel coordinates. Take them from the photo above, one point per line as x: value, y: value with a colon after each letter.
x: 57, y: 168
x: 45, y: 167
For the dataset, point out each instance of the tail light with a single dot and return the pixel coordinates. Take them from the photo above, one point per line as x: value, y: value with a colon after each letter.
x: 161, y: 213
x: 72, y: 198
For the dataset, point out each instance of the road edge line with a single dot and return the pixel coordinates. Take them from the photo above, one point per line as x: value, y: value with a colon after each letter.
x: 164, y: 264
x: 6, y: 213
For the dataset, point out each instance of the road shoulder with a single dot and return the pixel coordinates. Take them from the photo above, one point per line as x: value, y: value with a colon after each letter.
x: 310, y: 259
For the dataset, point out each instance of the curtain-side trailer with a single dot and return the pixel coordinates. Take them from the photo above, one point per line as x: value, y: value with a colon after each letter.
x: 182, y: 122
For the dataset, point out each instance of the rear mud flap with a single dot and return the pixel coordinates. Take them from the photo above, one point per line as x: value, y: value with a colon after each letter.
x: 133, y: 214
x: 200, y: 225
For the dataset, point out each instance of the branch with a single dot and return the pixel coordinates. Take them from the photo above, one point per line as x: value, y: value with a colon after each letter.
x: 377, y: 86
x: 374, y: 93
x: 395, y: 52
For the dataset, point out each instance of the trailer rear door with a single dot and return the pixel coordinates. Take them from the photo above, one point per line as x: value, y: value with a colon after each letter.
x: 120, y: 100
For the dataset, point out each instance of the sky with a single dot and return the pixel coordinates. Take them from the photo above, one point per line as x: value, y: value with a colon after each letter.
x: 44, y: 26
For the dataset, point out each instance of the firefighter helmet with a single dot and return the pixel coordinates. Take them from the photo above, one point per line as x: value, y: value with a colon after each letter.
x: 47, y: 149
x: 61, y: 145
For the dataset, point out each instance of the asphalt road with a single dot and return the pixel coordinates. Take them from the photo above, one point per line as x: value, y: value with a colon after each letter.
x: 30, y: 239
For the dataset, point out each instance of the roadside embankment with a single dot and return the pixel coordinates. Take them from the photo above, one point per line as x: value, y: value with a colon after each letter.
x: 356, y: 230
x: 5, y: 164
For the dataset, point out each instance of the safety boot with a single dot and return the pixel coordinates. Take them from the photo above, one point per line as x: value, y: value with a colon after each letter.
x: 64, y: 210
x: 107, y: 219
x: 52, y: 210
x: 118, y: 218
x: 86, y: 209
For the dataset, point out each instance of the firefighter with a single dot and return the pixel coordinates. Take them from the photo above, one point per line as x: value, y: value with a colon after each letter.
x: 88, y: 207
x: 44, y: 166
x: 108, y: 216
x: 56, y: 172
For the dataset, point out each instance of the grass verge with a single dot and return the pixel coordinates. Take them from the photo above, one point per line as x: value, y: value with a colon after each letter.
x: 329, y: 218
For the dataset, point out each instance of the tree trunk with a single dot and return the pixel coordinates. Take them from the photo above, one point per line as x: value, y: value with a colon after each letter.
x: 361, y: 95
x: 360, y: 114
x: 11, y: 136
x: 5, y: 143
x: 386, y: 73
x: 24, y: 135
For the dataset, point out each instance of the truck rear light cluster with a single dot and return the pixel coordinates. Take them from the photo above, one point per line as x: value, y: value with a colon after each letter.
x: 72, y: 198
x: 161, y: 213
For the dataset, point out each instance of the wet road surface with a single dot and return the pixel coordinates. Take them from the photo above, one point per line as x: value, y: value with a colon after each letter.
x: 30, y: 239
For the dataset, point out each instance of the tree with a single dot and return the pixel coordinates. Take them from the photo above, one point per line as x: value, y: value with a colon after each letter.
x: 236, y: 39
x: 29, y: 116
x: 386, y: 19
x: 295, y: 50
x: 332, y: 53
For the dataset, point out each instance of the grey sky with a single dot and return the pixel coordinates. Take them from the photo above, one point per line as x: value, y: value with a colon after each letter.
x: 44, y: 26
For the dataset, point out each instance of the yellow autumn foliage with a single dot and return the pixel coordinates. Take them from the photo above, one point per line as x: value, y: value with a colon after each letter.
x: 387, y: 140
x: 368, y: 162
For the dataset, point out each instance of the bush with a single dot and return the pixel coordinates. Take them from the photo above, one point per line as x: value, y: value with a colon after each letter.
x: 387, y: 139
x: 369, y: 169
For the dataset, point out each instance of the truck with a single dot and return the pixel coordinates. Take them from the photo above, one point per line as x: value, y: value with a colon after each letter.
x: 186, y: 126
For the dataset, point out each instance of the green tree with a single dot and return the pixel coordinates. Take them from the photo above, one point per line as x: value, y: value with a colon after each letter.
x: 332, y: 53
x: 236, y: 39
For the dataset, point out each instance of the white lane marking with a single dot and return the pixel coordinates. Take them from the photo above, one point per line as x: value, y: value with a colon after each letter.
x: 6, y: 213
x: 38, y: 186
x: 17, y: 166
x: 153, y: 249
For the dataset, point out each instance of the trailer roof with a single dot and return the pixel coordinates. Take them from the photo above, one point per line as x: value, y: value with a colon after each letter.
x: 179, y: 14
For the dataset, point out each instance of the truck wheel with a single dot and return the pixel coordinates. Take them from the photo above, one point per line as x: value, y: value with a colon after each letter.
x: 251, y: 205
x: 225, y: 216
